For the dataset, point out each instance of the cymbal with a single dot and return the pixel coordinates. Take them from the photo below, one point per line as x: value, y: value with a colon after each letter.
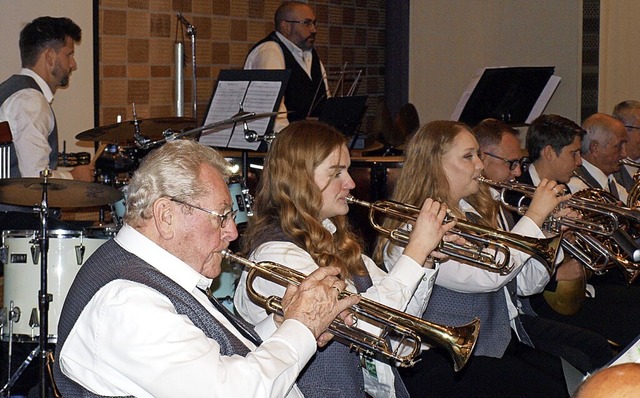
x: 150, y: 128
x: 60, y: 192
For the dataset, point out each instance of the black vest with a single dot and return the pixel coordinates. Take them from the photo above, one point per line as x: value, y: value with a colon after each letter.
x: 111, y: 262
x: 301, y: 90
x: 11, y: 86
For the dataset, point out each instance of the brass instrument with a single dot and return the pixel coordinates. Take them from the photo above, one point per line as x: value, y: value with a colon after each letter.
x: 542, y: 249
x: 601, y: 238
x: 629, y: 162
x: 606, y: 223
x: 409, y: 330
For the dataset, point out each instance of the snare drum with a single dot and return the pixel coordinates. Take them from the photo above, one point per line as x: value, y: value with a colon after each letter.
x: 68, y: 250
x: 241, y: 200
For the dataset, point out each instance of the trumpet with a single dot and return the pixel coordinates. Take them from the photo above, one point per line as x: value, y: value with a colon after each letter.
x: 605, y: 224
x: 542, y: 249
x: 409, y: 330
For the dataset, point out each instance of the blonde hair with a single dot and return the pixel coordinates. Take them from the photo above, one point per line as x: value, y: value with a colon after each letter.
x: 288, y: 198
x: 424, y: 160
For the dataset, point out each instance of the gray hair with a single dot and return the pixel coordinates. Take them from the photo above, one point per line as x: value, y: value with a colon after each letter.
x: 598, y: 128
x: 170, y: 171
x: 627, y: 111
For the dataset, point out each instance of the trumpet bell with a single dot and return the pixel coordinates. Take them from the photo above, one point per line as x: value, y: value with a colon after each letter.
x: 409, y: 330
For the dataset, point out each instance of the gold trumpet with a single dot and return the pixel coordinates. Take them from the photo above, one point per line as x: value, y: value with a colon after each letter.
x: 409, y: 330
x: 542, y: 249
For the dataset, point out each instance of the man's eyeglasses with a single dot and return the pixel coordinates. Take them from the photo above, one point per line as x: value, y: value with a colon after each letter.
x: 224, y: 218
x: 307, y: 22
x: 632, y: 127
x: 513, y: 164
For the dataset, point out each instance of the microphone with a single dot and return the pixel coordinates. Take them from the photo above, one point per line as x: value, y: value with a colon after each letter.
x: 183, y: 20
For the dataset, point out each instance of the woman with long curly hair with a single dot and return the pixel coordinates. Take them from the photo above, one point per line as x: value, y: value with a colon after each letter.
x: 445, y: 156
x: 300, y: 221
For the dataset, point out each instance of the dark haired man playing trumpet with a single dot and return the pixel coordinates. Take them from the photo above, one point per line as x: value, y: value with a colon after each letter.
x: 137, y: 320
x: 587, y: 351
x: 553, y: 144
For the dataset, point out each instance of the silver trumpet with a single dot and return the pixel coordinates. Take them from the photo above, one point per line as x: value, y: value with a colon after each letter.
x: 604, y: 220
x: 478, y: 238
x: 409, y: 330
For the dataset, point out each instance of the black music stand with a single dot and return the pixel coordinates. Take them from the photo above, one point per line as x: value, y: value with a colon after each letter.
x: 258, y: 91
x: 515, y: 95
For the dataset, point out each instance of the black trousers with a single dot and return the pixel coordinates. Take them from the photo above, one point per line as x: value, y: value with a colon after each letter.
x: 521, y: 372
x: 584, y: 349
x: 612, y: 313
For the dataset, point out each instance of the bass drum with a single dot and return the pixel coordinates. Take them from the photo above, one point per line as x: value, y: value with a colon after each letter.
x: 68, y: 251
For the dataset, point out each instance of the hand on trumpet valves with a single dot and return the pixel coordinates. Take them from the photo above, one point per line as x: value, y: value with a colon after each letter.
x: 316, y: 302
x: 566, y: 212
x: 547, y: 196
x: 428, y: 231
x: 438, y: 257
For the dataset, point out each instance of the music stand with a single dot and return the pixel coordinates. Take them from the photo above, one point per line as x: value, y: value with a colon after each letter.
x: 245, y: 90
x: 515, y: 95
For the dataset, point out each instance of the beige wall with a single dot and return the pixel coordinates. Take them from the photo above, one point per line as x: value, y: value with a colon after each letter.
x: 452, y: 39
x: 619, y: 56
x: 74, y: 105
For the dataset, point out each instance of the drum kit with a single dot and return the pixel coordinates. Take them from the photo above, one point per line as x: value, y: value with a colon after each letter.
x: 40, y: 265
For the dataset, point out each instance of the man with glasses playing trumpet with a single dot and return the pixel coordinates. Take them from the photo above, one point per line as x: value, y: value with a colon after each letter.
x: 137, y: 320
x: 291, y: 47
x: 586, y: 350
x: 553, y: 144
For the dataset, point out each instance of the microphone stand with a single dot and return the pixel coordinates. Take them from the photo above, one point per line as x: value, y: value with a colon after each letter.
x: 191, y: 31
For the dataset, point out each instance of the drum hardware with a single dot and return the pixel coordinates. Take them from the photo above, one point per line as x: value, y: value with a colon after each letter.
x: 55, y: 193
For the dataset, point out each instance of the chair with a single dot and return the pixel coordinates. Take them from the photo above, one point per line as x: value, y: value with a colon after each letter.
x: 5, y: 150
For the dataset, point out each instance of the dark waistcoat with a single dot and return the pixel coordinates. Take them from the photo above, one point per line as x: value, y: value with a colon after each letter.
x: 111, y: 262
x: 301, y: 90
x: 11, y: 86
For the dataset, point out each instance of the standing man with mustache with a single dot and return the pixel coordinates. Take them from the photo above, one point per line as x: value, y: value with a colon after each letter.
x: 47, y: 55
x: 290, y: 47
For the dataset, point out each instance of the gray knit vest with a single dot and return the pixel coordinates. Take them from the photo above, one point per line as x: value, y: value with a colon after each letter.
x: 11, y: 86
x: 111, y: 262
x: 335, y: 370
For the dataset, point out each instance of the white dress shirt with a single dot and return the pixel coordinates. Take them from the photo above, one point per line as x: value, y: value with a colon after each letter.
x: 576, y: 184
x: 407, y: 287
x: 129, y: 340
x: 268, y: 55
x: 31, y: 121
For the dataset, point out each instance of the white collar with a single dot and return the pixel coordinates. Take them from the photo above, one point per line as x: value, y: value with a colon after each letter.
x: 46, y: 90
x: 137, y: 244
x: 535, y: 178
x: 597, y: 174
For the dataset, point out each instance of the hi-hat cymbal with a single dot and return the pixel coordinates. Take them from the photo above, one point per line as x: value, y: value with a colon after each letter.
x: 60, y: 192
x: 149, y: 128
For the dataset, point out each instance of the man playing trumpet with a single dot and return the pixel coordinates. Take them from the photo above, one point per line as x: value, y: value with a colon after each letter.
x: 137, y: 321
x: 553, y: 144
x: 587, y: 351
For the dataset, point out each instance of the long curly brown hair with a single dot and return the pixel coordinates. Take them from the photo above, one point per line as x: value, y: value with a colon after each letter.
x: 288, y: 198
x: 423, y: 177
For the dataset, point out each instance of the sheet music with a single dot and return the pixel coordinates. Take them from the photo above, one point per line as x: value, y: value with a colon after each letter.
x: 225, y: 104
x: 256, y: 96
